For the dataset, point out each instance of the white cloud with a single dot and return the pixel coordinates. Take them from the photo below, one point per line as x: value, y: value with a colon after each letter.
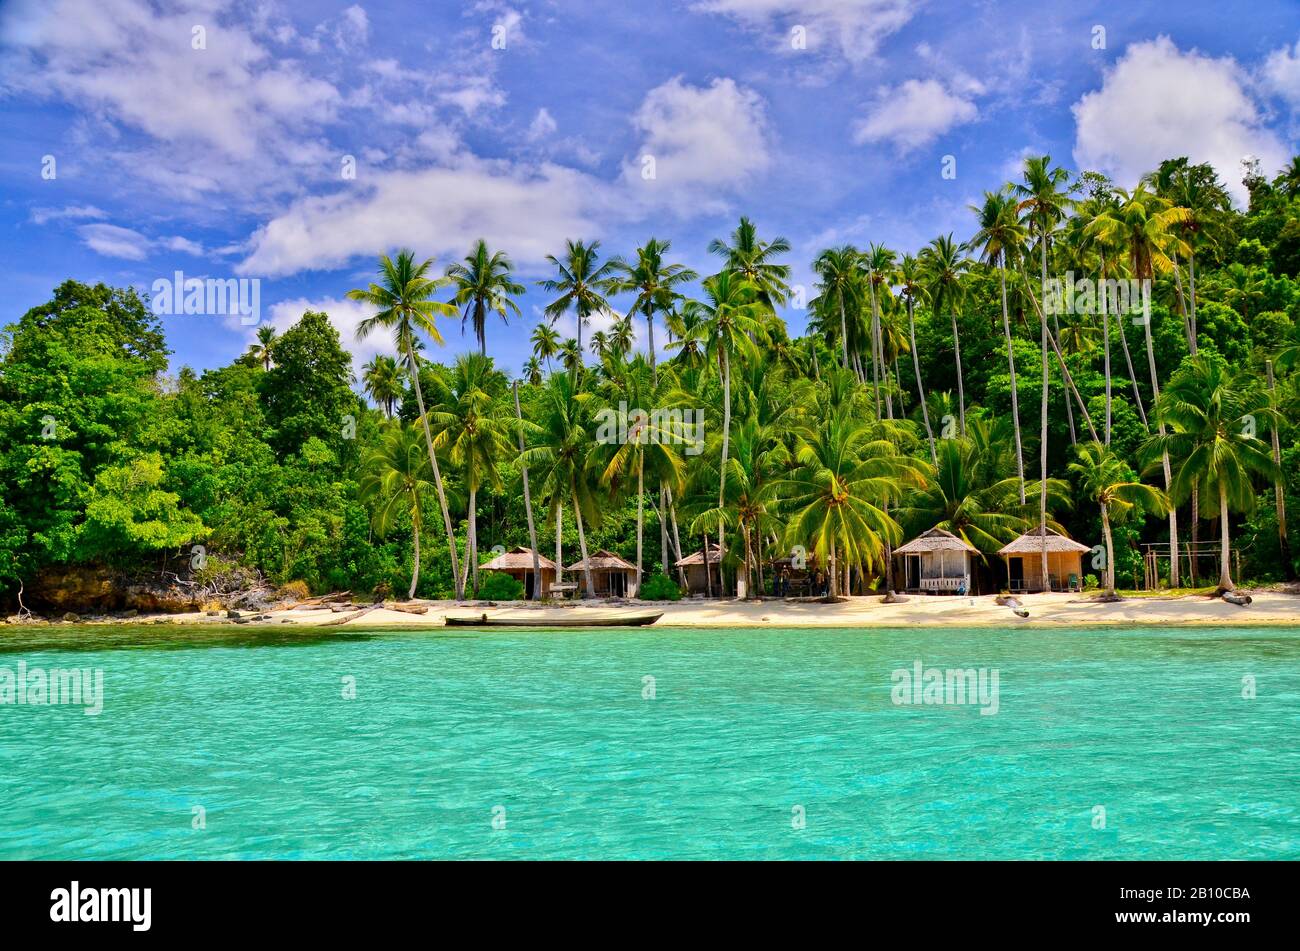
x: 344, y: 314
x: 1158, y: 102
x: 115, y: 242
x: 543, y: 125
x: 700, y: 139
x: 41, y: 216
x: 852, y: 28
x: 1280, y: 75
x: 915, y: 114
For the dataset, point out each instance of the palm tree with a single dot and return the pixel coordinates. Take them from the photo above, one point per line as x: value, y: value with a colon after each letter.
x: 582, y: 283
x: 912, y: 289
x: 1107, y: 480
x: 382, y: 380
x: 405, y: 306
x: 1144, y: 223
x: 752, y: 259
x: 520, y: 429
x: 395, y: 474
x: 944, y: 267
x: 1000, y: 234
x: 262, y: 350
x: 654, y: 282
x: 571, y: 355
x: 841, y: 289
x: 546, y: 343
x: 879, y: 262
x: 1242, y: 288
x: 473, y: 429
x: 1211, y: 419
x: 483, y: 284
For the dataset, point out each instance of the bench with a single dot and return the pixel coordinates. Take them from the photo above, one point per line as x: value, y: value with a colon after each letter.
x: 566, y: 589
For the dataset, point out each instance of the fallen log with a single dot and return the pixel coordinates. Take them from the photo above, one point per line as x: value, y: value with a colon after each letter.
x: 1232, y: 597
x: 351, y: 616
x: 405, y: 608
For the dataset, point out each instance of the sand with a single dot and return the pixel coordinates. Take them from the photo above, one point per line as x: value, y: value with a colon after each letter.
x: 1071, y: 610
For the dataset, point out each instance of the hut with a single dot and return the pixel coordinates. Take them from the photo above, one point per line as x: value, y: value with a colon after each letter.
x: 697, y: 582
x: 1025, y: 562
x: 937, y: 562
x: 612, y: 576
x: 518, y: 563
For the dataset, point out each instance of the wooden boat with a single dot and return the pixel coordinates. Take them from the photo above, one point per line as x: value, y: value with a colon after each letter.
x: 555, y: 619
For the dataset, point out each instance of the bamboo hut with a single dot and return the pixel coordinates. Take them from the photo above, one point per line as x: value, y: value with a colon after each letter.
x: 1025, y: 562
x: 611, y: 576
x: 693, y: 566
x: 937, y: 562
x: 518, y: 563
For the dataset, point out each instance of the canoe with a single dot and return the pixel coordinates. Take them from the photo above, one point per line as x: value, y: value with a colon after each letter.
x: 547, y: 619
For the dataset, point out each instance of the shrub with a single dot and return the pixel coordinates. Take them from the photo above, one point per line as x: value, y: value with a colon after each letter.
x: 660, y: 588
x: 294, y: 591
x: 1090, y: 582
x: 498, y: 586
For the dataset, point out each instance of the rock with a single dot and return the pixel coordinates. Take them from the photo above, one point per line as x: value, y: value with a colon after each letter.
x: 234, y: 615
x: 213, y: 613
x: 70, y: 618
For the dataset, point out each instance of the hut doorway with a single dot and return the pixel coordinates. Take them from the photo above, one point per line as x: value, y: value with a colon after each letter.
x: 1016, y: 574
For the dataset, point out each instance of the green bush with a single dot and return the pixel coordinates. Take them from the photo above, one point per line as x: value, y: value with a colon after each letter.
x: 660, y: 588
x: 501, y: 587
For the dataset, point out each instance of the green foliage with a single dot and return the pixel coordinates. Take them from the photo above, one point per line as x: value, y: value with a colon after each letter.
x: 127, y: 512
x: 499, y: 586
x: 660, y: 588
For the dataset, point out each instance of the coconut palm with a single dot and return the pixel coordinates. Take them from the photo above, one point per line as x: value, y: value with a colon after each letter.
x: 944, y: 267
x: 654, y: 282
x: 1106, y: 479
x: 752, y: 259
x: 404, y: 305
x: 546, y: 343
x: 395, y: 476
x: 483, y: 284
x: 1211, y: 419
x: 261, y: 351
x: 382, y: 380
x: 533, y: 371
x: 912, y: 289
x: 841, y: 289
x: 582, y: 283
x: 879, y: 262
x: 571, y: 356
x: 1001, y: 234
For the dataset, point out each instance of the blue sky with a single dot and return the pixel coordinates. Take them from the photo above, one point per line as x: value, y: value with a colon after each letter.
x: 827, y: 121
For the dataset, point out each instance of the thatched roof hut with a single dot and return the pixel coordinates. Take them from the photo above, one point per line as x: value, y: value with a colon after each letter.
x: 611, y: 575
x: 935, y: 540
x: 1025, y: 564
x: 699, y: 579
x: 518, y: 563
x: 937, y: 561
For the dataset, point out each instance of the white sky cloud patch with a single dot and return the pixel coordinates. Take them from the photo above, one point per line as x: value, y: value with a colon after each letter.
x: 853, y: 29
x: 543, y: 125
x: 42, y: 216
x: 1280, y: 75
x: 344, y: 314
x: 1158, y: 102
x: 115, y: 242
x: 914, y: 114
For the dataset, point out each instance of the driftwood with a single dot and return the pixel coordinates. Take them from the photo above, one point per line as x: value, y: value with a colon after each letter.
x: 1232, y: 597
x: 405, y: 608
x: 344, y: 618
x: 1009, y: 601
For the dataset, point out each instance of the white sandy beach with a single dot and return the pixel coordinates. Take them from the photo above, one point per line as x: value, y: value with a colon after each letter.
x: 1269, y: 608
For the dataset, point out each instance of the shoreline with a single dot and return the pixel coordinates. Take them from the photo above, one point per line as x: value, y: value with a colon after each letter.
x: 1269, y: 609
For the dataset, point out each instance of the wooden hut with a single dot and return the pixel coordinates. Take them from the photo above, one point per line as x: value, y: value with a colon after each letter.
x: 936, y: 562
x: 612, y: 576
x: 1025, y: 562
x: 693, y: 566
x: 518, y: 563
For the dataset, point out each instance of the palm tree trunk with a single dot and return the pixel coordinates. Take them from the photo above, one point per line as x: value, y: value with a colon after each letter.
x: 1069, y: 410
x: 1110, y: 551
x: 663, y: 530
x: 844, y: 333
x: 1105, y: 334
x: 677, y: 540
x: 961, y: 388
x: 650, y: 334
x: 1279, y: 490
x: 1128, y: 362
x: 920, y: 388
x: 559, y: 553
x: 831, y: 569
x: 1225, y: 575
x: 875, y: 331
x: 473, y: 536
x: 1011, y: 365
x: 437, y: 474
x: 415, y: 560
x: 1191, y: 277
x: 528, y: 505
x: 722, y: 472
x: 1155, y: 396
x: 1070, y: 388
x: 582, y: 543
x: 640, y: 516
x: 1042, y: 428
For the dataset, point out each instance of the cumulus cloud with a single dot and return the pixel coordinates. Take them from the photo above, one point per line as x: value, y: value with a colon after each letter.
x: 853, y: 29
x: 696, y: 140
x: 1158, y: 102
x: 1280, y: 75
x: 915, y: 114
x: 114, y: 241
x: 41, y: 216
x: 344, y: 315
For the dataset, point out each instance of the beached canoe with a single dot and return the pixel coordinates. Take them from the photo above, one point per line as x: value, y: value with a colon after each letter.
x: 555, y: 619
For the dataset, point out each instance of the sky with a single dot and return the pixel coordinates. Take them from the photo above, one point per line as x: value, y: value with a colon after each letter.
x: 293, y: 142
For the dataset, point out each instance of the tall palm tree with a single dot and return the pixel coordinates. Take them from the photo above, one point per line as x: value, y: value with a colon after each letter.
x: 1211, y: 418
x: 382, y: 380
x: 394, y: 475
x: 533, y: 371
x: 262, y: 350
x: 404, y: 305
x: 1001, y: 234
x: 912, y: 289
x: 752, y: 259
x: 944, y: 268
x: 483, y: 284
x: 582, y: 283
x: 571, y: 356
x: 520, y: 429
x: 1145, y: 223
x: 546, y: 343
x: 841, y: 289
x: 1106, y: 479
x: 879, y: 262
x: 473, y: 428
x: 654, y: 282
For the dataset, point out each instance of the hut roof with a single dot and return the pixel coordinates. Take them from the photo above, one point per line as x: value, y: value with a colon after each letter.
x: 603, y: 561
x: 1031, y: 543
x: 516, y: 559
x: 936, y: 539
x: 697, y: 558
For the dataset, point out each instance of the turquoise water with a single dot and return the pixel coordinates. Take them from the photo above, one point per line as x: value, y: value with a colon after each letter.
x: 747, y: 729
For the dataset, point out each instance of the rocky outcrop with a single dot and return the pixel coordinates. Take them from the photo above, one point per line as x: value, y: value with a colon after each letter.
x: 91, y: 589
